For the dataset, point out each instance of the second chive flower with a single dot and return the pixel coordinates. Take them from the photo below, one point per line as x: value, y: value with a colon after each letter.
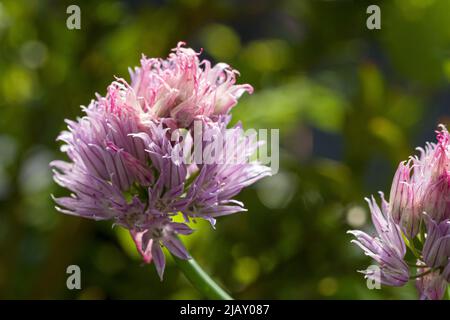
x: 417, y: 217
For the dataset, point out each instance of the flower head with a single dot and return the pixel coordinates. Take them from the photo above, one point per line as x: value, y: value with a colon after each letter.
x: 423, y: 185
x: 417, y: 217
x: 124, y: 164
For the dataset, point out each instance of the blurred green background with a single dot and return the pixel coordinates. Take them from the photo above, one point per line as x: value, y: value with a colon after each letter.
x: 350, y: 103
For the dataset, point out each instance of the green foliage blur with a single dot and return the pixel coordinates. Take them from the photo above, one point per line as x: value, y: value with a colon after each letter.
x: 350, y: 104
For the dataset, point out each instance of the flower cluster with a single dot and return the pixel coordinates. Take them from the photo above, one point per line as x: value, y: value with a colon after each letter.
x: 417, y: 217
x: 123, y: 157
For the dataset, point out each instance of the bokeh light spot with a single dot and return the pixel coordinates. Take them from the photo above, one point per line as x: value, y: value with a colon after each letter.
x: 277, y: 191
x: 328, y: 286
x: 356, y: 216
x: 246, y: 270
x: 33, y: 54
x: 220, y: 41
x: 267, y: 55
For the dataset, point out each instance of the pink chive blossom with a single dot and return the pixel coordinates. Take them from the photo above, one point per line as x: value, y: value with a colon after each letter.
x: 416, y: 217
x: 121, y: 153
x: 183, y: 87
x: 423, y: 185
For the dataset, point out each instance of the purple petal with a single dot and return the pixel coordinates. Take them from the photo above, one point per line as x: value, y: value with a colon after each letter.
x: 175, y: 246
x: 159, y: 259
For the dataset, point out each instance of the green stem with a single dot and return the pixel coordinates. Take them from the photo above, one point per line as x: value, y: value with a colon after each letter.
x: 420, y: 275
x: 201, y: 280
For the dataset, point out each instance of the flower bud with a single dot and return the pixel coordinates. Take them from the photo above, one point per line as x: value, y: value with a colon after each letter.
x: 403, y: 204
